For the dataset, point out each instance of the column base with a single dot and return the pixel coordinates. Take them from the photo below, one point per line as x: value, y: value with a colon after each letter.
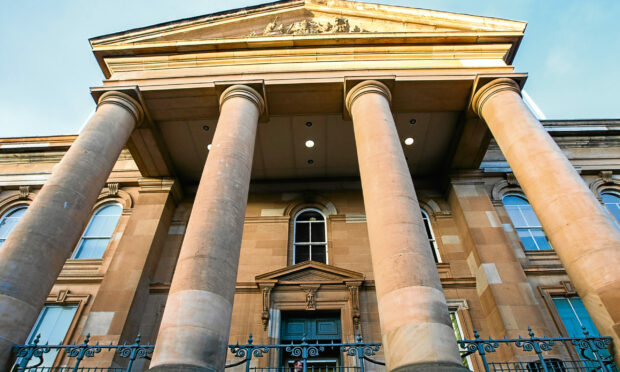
x: 432, y: 367
x: 181, y: 368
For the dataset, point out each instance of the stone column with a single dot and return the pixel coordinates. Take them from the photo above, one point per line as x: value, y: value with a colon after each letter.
x: 193, y: 334
x: 581, y: 233
x: 415, y: 326
x: 33, y: 256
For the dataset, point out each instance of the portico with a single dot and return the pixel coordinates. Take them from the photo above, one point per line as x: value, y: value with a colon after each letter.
x: 226, y: 110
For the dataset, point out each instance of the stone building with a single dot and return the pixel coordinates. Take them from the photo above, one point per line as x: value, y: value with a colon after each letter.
x: 317, y: 169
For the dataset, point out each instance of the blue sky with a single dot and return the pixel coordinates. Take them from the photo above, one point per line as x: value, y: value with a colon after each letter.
x: 571, y: 51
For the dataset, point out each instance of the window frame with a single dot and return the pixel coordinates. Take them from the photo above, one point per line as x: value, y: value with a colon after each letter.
x: 297, y: 214
x: 90, y: 221
x: 564, y: 289
x: 5, y: 214
x: 612, y: 192
x: 528, y: 228
x: 460, y: 308
x: 426, y: 219
x: 64, y: 298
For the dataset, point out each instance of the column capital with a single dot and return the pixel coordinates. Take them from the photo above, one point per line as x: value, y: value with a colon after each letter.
x: 368, y: 86
x: 125, y: 101
x: 491, y: 88
x: 243, y: 91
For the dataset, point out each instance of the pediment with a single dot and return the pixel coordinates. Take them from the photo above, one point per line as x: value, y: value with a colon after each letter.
x: 308, y: 17
x: 310, y: 272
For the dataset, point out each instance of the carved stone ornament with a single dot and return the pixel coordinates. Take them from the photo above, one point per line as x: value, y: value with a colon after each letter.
x: 309, y: 26
x: 266, y: 293
x: 24, y: 191
x: 310, y: 295
x: 113, y: 188
x: 354, y: 299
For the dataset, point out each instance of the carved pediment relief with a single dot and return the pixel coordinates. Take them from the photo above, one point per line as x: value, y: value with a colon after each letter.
x: 311, y: 26
x: 307, y: 17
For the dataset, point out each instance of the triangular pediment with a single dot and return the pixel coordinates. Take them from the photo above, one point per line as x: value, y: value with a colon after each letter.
x: 308, y: 17
x: 310, y: 272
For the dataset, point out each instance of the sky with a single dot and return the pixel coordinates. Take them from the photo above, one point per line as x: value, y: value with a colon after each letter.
x: 571, y: 51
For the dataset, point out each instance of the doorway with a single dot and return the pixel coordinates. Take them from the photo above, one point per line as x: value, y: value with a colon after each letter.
x: 313, y: 326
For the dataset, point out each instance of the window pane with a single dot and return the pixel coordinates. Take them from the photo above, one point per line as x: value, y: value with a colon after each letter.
x: 104, y: 221
x: 302, y: 253
x: 528, y: 242
x: 52, y: 325
x: 541, y: 239
x: 458, y: 334
x: 310, y: 216
x: 91, y: 248
x: 530, y: 216
x: 8, y: 222
x: 514, y: 200
x: 584, y: 317
x: 610, y: 198
x: 318, y: 253
x: 302, y: 232
x: 515, y: 216
x: 612, y: 203
x: 317, y: 232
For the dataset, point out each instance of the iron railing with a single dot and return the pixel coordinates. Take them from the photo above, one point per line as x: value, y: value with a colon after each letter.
x: 302, y: 351
x: 26, y: 353
x: 549, y: 354
x: 590, y: 353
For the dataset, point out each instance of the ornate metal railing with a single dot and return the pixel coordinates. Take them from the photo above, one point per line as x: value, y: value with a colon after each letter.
x: 590, y: 353
x: 360, y: 350
x: 30, y: 357
x: 549, y: 354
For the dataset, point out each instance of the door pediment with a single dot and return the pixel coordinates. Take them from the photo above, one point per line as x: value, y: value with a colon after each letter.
x: 309, y: 272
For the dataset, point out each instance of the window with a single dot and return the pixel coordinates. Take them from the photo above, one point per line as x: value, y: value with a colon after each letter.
x: 574, y: 316
x: 53, y: 324
x: 98, y: 232
x: 526, y: 223
x: 431, y: 236
x: 612, y: 203
x: 310, y: 237
x: 456, y: 325
x: 9, y: 220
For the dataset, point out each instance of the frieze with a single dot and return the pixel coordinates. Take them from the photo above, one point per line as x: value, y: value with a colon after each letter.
x: 309, y: 26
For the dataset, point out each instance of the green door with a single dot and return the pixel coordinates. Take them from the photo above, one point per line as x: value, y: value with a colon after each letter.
x: 314, y: 326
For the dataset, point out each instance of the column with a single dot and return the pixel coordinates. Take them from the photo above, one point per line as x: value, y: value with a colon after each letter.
x: 193, y: 335
x: 33, y: 256
x: 415, y: 326
x: 581, y: 233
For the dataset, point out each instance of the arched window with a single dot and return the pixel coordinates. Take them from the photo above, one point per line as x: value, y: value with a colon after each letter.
x: 612, y: 203
x: 526, y: 223
x: 431, y: 236
x: 310, y: 237
x: 98, y: 232
x: 9, y: 220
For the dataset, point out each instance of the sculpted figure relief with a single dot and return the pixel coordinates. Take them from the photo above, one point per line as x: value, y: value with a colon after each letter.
x: 308, y: 26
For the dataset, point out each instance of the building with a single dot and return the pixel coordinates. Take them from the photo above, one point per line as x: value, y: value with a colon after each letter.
x: 360, y: 136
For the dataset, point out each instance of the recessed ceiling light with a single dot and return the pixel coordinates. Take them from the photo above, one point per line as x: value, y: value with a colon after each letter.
x: 309, y: 143
x: 209, y: 147
x: 412, y: 121
x: 308, y: 123
x: 409, y: 141
x: 205, y: 127
x: 310, y: 161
